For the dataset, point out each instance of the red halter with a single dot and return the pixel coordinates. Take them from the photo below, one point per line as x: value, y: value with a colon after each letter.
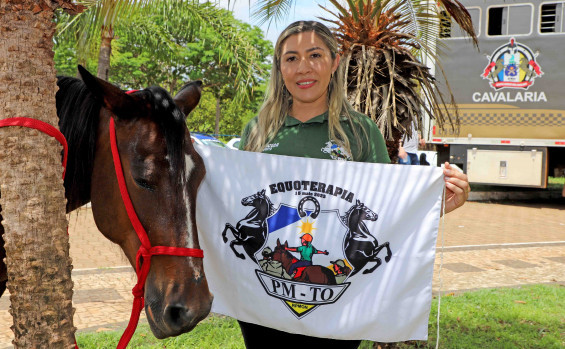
x: 145, y: 250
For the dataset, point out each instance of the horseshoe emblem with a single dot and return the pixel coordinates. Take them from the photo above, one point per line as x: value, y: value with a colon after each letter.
x: 301, y: 211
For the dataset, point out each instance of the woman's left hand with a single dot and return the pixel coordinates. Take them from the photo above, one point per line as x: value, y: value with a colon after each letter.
x: 457, y: 188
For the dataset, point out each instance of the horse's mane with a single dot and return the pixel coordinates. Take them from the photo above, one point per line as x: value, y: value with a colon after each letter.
x: 78, y: 112
x: 171, y: 122
x: 345, y: 217
x: 271, y: 206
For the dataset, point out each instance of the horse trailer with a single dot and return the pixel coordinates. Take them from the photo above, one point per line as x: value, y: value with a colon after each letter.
x: 511, y: 128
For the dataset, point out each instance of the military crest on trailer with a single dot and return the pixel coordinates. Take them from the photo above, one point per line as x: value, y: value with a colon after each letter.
x: 306, y: 254
x: 512, y: 65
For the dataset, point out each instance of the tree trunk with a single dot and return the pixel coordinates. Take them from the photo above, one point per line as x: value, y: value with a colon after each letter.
x: 33, y: 201
x: 105, y: 51
x: 218, y: 115
x: 173, y: 85
x: 3, y: 270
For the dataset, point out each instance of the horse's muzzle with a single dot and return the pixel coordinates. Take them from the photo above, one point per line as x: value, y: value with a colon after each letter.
x: 180, y: 319
x: 169, y: 316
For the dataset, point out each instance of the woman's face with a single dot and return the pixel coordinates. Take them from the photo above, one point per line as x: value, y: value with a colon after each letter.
x: 306, y: 67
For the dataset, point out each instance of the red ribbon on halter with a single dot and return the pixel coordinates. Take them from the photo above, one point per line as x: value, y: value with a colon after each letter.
x: 145, y: 250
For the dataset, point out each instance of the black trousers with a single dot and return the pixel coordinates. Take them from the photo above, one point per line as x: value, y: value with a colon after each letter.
x: 260, y: 337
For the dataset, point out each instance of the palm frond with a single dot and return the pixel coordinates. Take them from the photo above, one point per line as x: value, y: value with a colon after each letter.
x: 459, y: 14
x: 384, y: 77
x: 269, y: 10
x: 353, y: 9
x: 340, y: 8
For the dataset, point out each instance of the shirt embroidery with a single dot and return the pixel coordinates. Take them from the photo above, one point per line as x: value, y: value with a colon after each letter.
x: 271, y: 146
x: 336, y: 152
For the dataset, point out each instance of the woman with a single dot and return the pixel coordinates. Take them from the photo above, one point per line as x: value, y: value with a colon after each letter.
x: 306, y: 114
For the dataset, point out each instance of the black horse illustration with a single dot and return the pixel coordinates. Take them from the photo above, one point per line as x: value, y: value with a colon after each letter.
x: 251, y: 231
x: 360, y: 246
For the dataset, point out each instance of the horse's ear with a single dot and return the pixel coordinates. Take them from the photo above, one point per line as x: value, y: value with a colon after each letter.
x: 188, y: 97
x: 113, y: 98
x: 263, y: 192
x: 357, y: 202
x: 278, y: 243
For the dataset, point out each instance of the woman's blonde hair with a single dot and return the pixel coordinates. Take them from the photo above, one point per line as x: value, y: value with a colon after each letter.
x: 278, y: 100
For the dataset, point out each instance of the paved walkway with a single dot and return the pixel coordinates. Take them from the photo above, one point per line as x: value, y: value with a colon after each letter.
x: 485, y: 245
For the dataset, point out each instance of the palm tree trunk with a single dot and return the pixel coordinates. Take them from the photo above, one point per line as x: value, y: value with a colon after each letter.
x: 33, y: 201
x: 3, y: 270
x: 218, y: 116
x: 105, y: 51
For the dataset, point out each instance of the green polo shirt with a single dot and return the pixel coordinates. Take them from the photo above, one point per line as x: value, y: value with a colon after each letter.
x: 310, y: 139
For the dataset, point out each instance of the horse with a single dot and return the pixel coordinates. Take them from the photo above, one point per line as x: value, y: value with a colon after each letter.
x: 162, y: 172
x: 315, y: 274
x: 360, y: 246
x: 251, y: 231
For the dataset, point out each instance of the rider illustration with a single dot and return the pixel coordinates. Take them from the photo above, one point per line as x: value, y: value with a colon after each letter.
x: 267, y: 254
x: 341, y: 270
x: 271, y: 266
x: 307, y: 250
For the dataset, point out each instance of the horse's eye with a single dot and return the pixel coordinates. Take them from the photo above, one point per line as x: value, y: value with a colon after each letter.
x: 144, y: 184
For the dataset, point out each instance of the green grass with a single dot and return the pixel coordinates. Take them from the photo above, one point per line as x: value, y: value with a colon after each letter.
x: 555, y: 183
x: 214, y: 332
x: 525, y: 317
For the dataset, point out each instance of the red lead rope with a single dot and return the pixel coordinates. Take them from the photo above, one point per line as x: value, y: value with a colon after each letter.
x: 43, y: 127
x: 145, y: 250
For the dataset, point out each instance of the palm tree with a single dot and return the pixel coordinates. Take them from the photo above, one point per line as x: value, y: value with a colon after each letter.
x: 99, y: 20
x: 33, y: 200
x: 382, y: 44
x: 103, y: 18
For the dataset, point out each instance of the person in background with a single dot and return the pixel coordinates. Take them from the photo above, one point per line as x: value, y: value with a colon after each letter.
x: 407, y: 153
x: 305, y: 109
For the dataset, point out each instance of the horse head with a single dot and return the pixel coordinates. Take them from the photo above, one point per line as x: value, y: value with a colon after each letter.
x: 254, y: 200
x: 162, y: 172
x: 355, y: 216
x: 366, y: 213
x: 280, y: 254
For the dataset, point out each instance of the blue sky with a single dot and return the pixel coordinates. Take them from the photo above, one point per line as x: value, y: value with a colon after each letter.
x: 301, y: 10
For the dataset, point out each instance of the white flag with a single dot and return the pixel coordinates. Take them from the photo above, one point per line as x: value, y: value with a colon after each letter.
x: 378, y: 224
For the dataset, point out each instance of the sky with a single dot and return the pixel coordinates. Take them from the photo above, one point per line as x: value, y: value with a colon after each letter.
x: 301, y: 10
